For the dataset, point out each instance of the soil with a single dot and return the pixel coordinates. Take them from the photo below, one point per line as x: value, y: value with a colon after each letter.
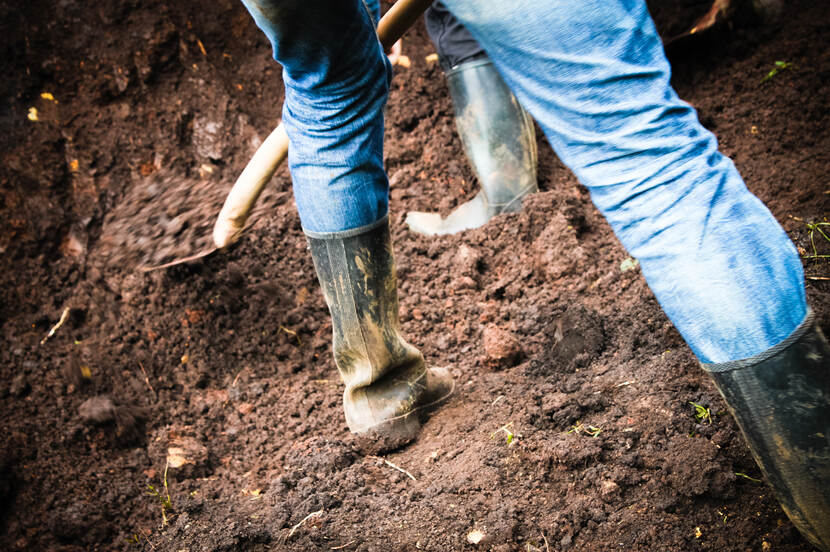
x: 571, y: 427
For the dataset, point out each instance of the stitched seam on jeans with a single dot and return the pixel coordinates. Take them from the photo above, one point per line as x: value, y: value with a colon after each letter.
x: 765, y: 355
x: 346, y: 233
x: 369, y: 13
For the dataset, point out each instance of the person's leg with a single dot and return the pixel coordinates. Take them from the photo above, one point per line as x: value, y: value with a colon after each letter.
x: 336, y: 81
x: 453, y: 43
x: 594, y: 75
x: 374, y: 10
x: 498, y: 135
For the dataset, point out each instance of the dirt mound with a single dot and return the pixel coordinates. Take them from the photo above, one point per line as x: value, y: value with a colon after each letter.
x: 212, y: 383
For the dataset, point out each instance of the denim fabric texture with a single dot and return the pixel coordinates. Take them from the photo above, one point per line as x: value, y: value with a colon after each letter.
x: 453, y: 43
x: 594, y: 76
x: 374, y: 10
x: 336, y: 82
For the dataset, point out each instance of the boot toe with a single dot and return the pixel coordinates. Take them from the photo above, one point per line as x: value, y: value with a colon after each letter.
x: 439, y: 387
x: 399, y: 431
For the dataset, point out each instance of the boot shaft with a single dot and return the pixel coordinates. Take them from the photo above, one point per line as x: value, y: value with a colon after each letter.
x: 384, y: 375
x: 497, y: 133
x: 781, y: 401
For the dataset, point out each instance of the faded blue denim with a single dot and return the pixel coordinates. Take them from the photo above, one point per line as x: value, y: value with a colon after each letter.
x: 374, y: 9
x: 336, y: 82
x: 594, y: 76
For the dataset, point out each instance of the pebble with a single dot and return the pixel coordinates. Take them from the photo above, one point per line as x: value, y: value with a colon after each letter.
x: 501, y: 348
x: 187, y: 456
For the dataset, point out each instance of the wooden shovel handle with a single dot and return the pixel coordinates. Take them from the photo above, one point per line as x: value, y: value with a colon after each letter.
x: 400, y: 17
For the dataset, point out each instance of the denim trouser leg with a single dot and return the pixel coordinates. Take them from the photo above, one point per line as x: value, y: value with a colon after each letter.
x: 336, y: 81
x: 453, y: 43
x: 594, y: 75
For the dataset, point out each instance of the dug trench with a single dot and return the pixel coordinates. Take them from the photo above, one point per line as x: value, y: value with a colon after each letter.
x: 198, y: 408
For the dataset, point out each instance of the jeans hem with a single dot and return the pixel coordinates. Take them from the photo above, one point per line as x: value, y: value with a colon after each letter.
x: 475, y: 62
x: 347, y: 233
x: 799, y: 331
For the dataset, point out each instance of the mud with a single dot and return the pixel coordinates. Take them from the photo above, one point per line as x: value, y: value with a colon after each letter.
x: 571, y: 427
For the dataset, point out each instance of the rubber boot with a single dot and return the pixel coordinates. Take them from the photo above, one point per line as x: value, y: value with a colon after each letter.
x: 500, y: 143
x: 387, y: 381
x: 781, y: 401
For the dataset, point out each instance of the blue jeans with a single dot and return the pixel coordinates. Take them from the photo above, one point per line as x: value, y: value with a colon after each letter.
x: 336, y: 80
x: 594, y: 76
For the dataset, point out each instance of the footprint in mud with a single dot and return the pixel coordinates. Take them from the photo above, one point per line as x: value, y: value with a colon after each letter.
x: 575, y: 340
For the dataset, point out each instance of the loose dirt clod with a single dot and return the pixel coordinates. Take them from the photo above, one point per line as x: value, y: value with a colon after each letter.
x: 577, y: 339
x: 98, y: 410
x: 166, y: 219
x: 476, y: 536
x: 501, y: 348
x: 19, y: 385
x: 187, y: 457
x: 103, y: 410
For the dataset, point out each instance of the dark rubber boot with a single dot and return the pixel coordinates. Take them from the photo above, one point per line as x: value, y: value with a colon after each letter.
x: 500, y: 143
x: 781, y: 401
x: 387, y: 381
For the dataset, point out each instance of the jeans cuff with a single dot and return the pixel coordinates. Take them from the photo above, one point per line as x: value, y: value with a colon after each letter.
x: 799, y: 331
x: 347, y: 233
x: 475, y: 62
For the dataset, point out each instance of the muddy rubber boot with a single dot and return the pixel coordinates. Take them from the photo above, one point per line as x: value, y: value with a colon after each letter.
x: 387, y: 381
x: 781, y: 401
x: 500, y: 144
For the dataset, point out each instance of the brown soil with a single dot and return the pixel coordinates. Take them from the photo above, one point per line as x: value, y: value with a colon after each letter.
x: 227, y: 363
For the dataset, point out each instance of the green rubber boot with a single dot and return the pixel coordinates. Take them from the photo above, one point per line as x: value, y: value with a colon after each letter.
x: 781, y: 401
x: 387, y: 380
x: 500, y: 144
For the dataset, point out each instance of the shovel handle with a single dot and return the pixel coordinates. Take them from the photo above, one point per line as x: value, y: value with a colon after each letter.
x: 273, y: 151
x: 400, y: 17
x: 245, y: 192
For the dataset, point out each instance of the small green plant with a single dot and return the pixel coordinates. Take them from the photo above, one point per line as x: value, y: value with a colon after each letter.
x: 164, y: 499
x: 506, y: 429
x: 702, y: 414
x: 779, y: 66
x: 814, y: 227
x: 593, y: 431
x: 745, y: 476
x: 291, y: 332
